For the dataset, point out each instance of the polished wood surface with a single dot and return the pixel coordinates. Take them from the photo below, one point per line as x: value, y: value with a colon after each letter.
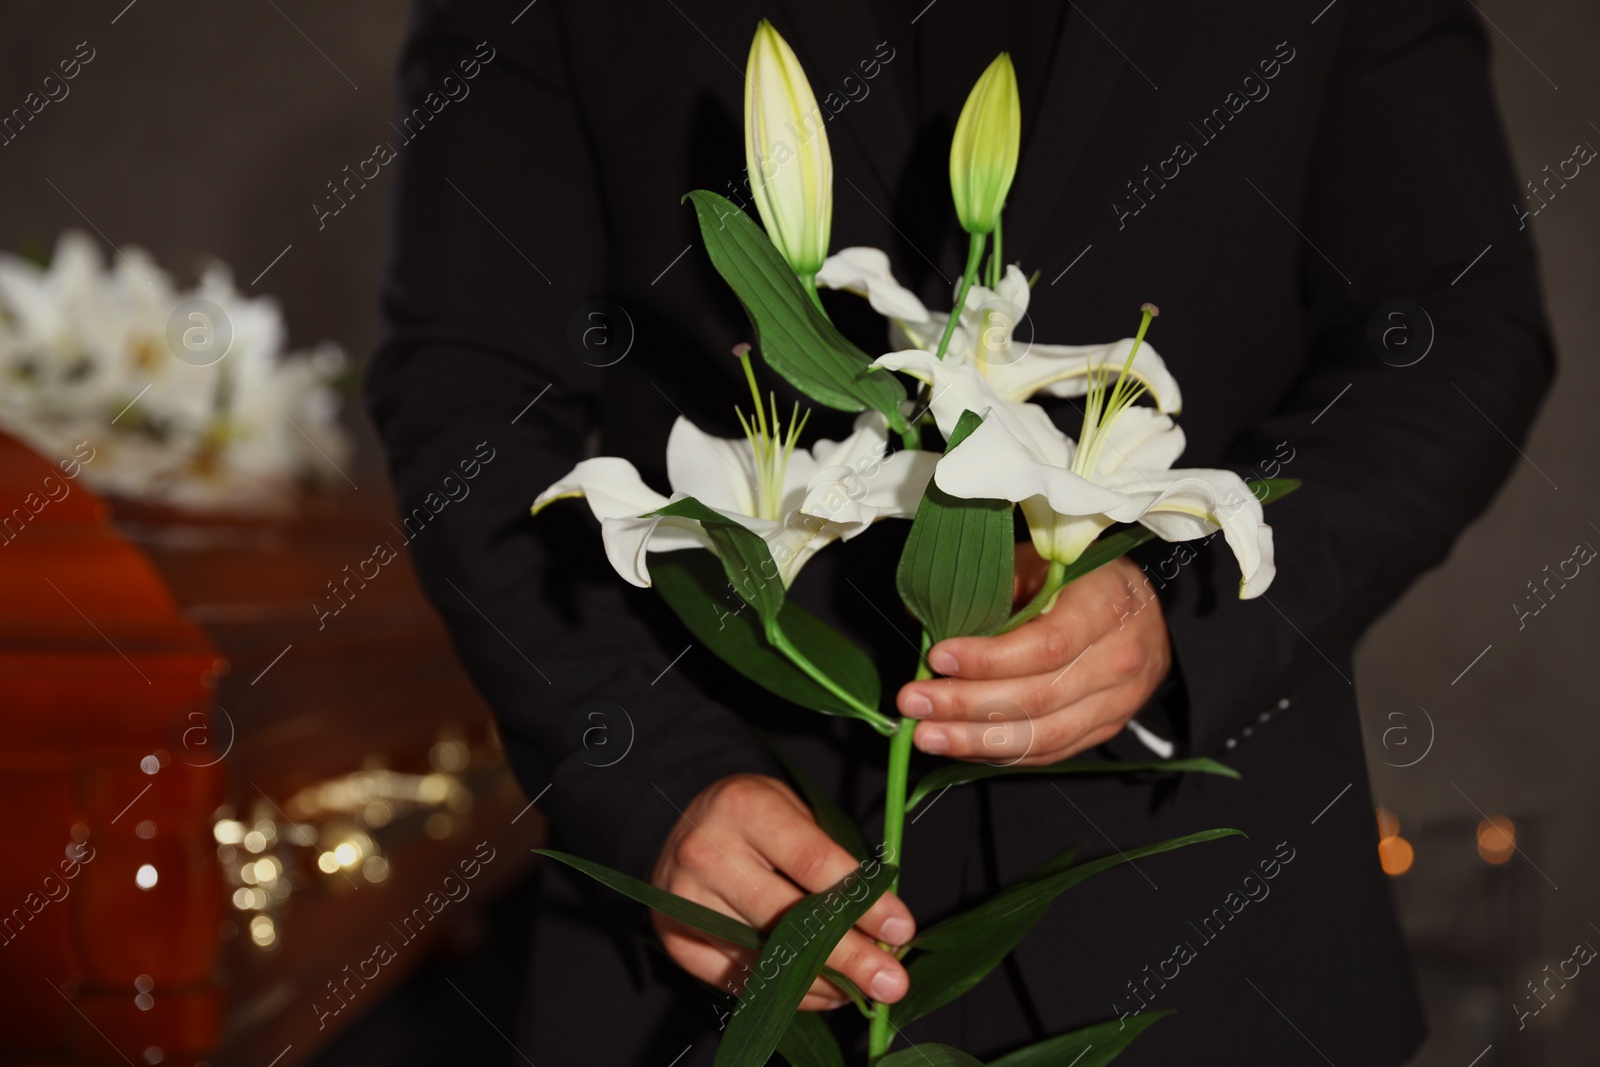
x: 234, y: 816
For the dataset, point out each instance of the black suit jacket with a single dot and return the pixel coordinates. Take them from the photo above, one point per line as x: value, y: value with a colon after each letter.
x: 1272, y: 175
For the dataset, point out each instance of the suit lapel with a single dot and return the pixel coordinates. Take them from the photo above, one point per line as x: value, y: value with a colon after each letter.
x: 1087, y: 65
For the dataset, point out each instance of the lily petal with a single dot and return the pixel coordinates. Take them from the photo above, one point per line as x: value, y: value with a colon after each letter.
x: 865, y: 271
x: 956, y: 388
x: 1014, y: 287
x: 1063, y: 370
x: 1196, y: 503
x: 612, y: 487
x: 1141, y: 442
x: 620, y: 499
x: 988, y: 320
x: 717, y: 472
x: 853, y: 497
x: 628, y: 541
x: 993, y: 463
x: 869, y: 437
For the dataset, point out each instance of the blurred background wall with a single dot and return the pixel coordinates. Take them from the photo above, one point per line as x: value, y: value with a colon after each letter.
x: 209, y: 129
x: 1515, y: 732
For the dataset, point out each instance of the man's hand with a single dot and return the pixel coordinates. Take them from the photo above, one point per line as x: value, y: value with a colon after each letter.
x: 1065, y: 681
x: 748, y: 847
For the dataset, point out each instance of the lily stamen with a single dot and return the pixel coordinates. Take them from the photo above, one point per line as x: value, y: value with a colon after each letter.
x: 771, y: 444
x: 1100, y: 409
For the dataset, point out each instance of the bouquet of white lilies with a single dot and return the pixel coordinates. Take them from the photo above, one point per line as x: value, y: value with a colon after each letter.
x: 180, y: 397
x: 746, y: 514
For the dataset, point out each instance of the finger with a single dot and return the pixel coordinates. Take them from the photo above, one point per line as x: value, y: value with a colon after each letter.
x: 728, y: 969
x: 1032, y: 741
x: 815, y: 862
x: 857, y: 956
x: 786, y: 856
x: 716, y: 963
x: 874, y: 972
x: 769, y: 896
x: 826, y: 1001
x: 1100, y: 603
x: 1046, y: 643
x: 1083, y: 726
x: 1010, y: 699
x: 800, y: 850
x: 723, y: 965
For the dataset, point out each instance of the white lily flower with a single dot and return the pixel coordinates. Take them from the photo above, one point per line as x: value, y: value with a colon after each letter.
x: 797, y: 500
x: 985, y: 336
x: 1071, y: 492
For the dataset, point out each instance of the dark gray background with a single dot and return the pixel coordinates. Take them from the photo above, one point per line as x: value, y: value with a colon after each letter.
x: 210, y: 129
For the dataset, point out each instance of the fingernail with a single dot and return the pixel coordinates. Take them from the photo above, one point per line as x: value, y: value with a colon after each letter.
x: 944, y: 663
x: 918, y: 706
x: 932, y: 741
x: 887, y: 985
x: 896, y: 931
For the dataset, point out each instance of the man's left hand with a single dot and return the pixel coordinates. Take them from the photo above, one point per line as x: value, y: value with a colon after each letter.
x: 1065, y: 681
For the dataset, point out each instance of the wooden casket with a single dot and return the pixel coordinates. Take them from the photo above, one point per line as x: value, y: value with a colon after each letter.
x: 231, y: 823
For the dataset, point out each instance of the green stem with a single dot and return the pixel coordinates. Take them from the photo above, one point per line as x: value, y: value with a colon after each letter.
x: 974, y: 258
x: 924, y: 668
x: 911, y: 433
x: 808, y: 282
x: 894, y: 819
x: 1054, y: 581
x: 879, y: 721
x: 995, y: 265
x: 894, y: 809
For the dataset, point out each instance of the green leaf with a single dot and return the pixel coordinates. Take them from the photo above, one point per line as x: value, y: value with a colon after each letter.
x: 929, y: 1056
x: 1109, y: 547
x: 694, y: 584
x: 1269, y: 489
x: 972, y: 924
x: 958, y: 967
x: 1049, y: 867
x: 939, y: 977
x: 856, y: 686
x: 1093, y: 1046
x: 834, y: 822
x: 959, y: 952
x: 962, y: 773
x: 809, y: 1043
x: 791, y: 960
x: 687, y: 912
x: 744, y: 555
x: 851, y: 990
x: 800, y: 637
x: 956, y: 574
x: 793, y: 335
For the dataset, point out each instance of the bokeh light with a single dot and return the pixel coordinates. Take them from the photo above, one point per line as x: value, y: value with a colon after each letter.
x: 1497, y: 839
x: 1395, y: 853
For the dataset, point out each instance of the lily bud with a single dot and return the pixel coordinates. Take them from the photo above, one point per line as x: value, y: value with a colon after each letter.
x: 983, y: 153
x: 786, y: 151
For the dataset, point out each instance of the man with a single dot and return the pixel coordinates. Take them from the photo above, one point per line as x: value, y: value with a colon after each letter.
x: 1302, y: 189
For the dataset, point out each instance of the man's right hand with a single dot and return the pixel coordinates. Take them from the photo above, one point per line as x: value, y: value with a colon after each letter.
x: 747, y: 846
